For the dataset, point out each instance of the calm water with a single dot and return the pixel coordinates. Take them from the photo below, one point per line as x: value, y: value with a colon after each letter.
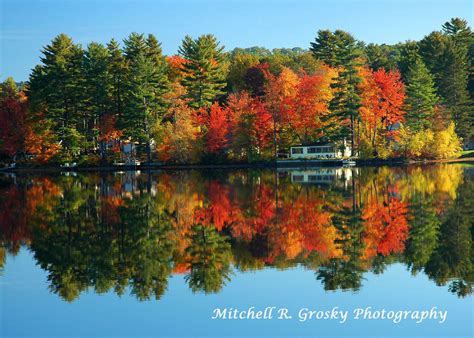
x: 154, y: 254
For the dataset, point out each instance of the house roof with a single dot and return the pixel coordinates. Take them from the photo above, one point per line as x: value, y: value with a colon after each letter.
x: 314, y: 144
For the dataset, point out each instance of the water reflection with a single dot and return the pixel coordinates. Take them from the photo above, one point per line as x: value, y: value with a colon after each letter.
x: 132, y: 231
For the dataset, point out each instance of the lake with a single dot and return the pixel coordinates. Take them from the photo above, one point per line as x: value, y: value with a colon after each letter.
x: 161, y: 253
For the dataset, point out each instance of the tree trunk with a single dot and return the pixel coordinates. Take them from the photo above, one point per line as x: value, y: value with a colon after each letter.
x: 148, y: 152
x: 352, y: 135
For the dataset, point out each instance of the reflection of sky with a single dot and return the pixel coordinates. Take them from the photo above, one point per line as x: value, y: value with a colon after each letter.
x: 28, y: 309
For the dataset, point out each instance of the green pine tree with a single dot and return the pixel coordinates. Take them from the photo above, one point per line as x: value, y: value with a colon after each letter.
x: 408, y: 53
x: 56, y: 88
x: 446, y: 54
x: 381, y: 56
x: 146, y: 84
x: 424, y: 232
x: 117, y: 72
x: 340, y: 49
x: 98, y: 87
x: 421, y: 95
x: 458, y: 83
x: 205, y: 76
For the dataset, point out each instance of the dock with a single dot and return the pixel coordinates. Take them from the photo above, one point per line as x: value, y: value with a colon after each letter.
x: 314, y: 163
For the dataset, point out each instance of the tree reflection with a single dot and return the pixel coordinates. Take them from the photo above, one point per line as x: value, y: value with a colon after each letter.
x: 209, y: 260
x: 130, y: 232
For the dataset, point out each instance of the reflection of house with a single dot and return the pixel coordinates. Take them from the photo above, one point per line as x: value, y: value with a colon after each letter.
x: 320, y: 150
x: 321, y: 176
x: 132, y: 183
x: 306, y: 177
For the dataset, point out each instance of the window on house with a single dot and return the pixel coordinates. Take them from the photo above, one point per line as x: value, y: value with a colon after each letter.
x: 298, y: 178
x: 296, y: 150
x: 312, y: 150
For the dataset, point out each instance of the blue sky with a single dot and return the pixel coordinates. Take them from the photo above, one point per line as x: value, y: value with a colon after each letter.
x: 28, y: 25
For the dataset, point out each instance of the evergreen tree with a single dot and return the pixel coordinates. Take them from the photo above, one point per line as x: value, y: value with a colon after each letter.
x: 204, y: 72
x: 432, y: 49
x: 446, y: 54
x: 381, y: 56
x: 421, y: 95
x: 424, y: 231
x: 210, y: 256
x: 408, y: 53
x: 453, y: 88
x: 325, y: 48
x: 458, y: 77
x: 342, y: 51
x: 117, y: 72
x: 145, y: 86
x: 155, y: 54
x: 97, y: 90
x: 56, y: 87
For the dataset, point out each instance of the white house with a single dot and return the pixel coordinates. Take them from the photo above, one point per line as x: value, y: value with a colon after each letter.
x: 321, y: 150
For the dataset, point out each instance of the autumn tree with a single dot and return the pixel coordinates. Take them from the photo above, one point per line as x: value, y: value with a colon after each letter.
x: 426, y: 143
x: 242, y: 120
x: 175, y: 68
x: 383, y: 103
x: 239, y: 65
x: 217, y: 123
x: 255, y: 79
x: 23, y: 133
x: 178, y: 133
x: 250, y: 126
x: 13, y: 115
x: 280, y: 91
x: 109, y: 134
x: 310, y: 105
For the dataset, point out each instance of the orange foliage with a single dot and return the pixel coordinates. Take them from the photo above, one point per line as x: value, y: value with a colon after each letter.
x: 175, y: 64
x: 250, y: 122
x: 383, y: 97
x: 41, y: 145
x: 13, y: 110
x: 217, y: 122
x: 386, y: 226
x: 108, y: 131
x: 305, y: 219
x: 310, y: 104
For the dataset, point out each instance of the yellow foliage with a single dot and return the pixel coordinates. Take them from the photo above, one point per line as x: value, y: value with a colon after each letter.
x: 426, y: 143
x: 442, y: 179
x: 447, y: 143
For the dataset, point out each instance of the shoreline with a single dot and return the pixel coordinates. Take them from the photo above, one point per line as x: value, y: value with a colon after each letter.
x: 256, y: 165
